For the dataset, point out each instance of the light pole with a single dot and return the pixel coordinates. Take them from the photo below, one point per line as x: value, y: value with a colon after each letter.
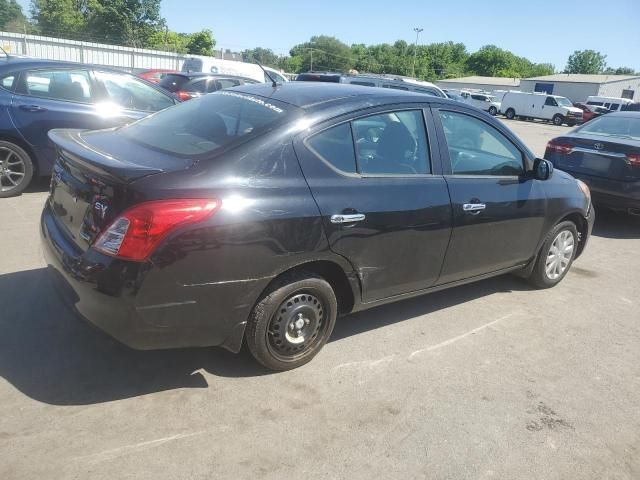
x: 415, y: 49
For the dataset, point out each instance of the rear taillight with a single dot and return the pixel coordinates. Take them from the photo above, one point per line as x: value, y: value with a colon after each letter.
x: 634, y: 159
x: 556, y: 147
x: 184, y: 95
x: 138, y: 231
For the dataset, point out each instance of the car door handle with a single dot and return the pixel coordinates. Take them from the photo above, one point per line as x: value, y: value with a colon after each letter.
x: 473, y: 208
x: 32, y: 108
x: 348, y: 218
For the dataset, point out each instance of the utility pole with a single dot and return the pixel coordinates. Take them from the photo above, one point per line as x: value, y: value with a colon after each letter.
x: 415, y: 49
x: 311, y: 50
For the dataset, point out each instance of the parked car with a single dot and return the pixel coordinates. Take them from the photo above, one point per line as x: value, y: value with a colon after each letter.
x: 590, y: 111
x: 258, y: 214
x: 154, y: 76
x: 605, y: 154
x: 234, y: 68
x: 454, y: 96
x: 190, y: 85
x: 395, y: 82
x: 554, y: 108
x: 484, y: 102
x: 614, y: 104
x: 38, y: 95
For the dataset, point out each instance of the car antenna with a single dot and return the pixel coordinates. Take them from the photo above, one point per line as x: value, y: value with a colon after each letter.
x: 7, y: 55
x: 273, y: 82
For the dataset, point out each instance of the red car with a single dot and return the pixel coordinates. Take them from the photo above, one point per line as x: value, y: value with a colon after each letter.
x: 590, y: 111
x: 154, y: 76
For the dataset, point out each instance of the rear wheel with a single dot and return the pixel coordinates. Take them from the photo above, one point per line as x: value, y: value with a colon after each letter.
x: 510, y: 114
x: 16, y: 169
x: 493, y: 111
x: 556, y: 256
x: 291, y: 323
x: 558, y: 120
x: 571, y: 124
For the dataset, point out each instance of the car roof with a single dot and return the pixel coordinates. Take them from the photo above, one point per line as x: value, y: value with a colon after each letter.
x: 308, y: 95
x: 624, y: 113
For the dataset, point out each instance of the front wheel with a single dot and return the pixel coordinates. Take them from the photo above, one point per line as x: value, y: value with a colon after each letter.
x: 510, y: 114
x: 493, y: 111
x: 558, y: 120
x: 556, y: 256
x: 292, y: 322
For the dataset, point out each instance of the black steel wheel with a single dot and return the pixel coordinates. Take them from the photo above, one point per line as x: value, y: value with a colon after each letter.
x: 16, y: 169
x: 493, y: 111
x: 557, y: 120
x: 292, y: 322
x: 510, y: 114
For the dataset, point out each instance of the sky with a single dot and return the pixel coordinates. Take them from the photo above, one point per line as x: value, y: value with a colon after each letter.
x: 544, y: 31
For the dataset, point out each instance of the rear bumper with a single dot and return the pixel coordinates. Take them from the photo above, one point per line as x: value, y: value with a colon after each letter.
x: 138, y: 304
x: 612, y: 193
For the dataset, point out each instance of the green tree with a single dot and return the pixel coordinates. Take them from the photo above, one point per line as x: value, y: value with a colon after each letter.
x: 168, y: 40
x: 263, y: 56
x: 127, y: 22
x: 619, y: 71
x: 586, y: 62
x: 328, y: 53
x: 201, y: 43
x: 65, y: 18
x: 492, y: 61
x: 10, y: 13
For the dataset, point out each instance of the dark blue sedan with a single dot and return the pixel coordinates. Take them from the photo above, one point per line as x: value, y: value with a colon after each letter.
x: 38, y: 95
x: 605, y: 154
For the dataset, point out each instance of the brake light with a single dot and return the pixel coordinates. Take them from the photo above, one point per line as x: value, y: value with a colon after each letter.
x: 634, y: 159
x: 139, y: 230
x: 182, y: 95
x: 557, y: 147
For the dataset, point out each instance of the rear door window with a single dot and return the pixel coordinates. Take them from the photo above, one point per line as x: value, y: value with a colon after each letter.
x: 66, y: 85
x: 335, y: 146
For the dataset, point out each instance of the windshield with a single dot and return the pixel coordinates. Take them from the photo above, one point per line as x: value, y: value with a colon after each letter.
x: 564, y: 102
x: 614, y: 126
x: 209, y: 123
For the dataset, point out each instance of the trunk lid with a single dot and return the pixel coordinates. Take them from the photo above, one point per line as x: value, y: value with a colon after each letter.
x: 93, y: 176
x: 598, y: 156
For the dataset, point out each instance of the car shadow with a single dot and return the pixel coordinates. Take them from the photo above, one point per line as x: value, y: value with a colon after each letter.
x: 51, y: 355
x: 616, y: 225
x: 38, y: 184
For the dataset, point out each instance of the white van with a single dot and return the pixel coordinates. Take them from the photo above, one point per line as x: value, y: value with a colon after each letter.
x: 485, y: 102
x: 231, y: 67
x: 614, y: 104
x: 557, y: 109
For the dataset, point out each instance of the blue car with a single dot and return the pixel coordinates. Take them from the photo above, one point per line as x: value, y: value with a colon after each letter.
x: 39, y: 95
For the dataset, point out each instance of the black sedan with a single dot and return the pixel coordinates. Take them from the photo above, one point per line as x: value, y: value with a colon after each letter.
x: 605, y: 154
x: 186, y: 86
x: 261, y: 214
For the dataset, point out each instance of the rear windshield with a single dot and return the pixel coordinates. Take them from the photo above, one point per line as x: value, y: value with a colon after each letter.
x: 173, y: 82
x: 314, y: 77
x: 614, y: 126
x: 209, y: 123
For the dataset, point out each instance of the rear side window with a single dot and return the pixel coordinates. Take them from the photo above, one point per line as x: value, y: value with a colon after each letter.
x: 173, y: 83
x: 131, y: 93
x: 209, y: 123
x: 226, y: 83
x: 335, y: 146
x: 66, y: 85
x: 7, y: 82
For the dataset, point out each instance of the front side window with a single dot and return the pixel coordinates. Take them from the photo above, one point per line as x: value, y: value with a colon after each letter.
x: 66, y: 85
x: 565, y: 102
x: 550, y: 102
x: 477, y: 148
x: 392, y: 143
x: 335, y: 146
x: 130, y: 93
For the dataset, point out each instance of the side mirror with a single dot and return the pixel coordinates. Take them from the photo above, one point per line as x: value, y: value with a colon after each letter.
x: 542, y: 169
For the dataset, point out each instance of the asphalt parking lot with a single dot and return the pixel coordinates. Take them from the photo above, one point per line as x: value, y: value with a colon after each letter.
x: 490, y: 380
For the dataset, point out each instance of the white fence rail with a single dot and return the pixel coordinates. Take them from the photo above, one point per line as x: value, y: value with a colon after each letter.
x: 133, y: 59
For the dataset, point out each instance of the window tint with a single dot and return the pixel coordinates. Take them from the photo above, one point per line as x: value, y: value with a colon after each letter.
x: 476, y: 148
x: 208, y: 123
x: 7, y: 82
x: 482, y: 98
x: 67, y: 85
x: 550, y: 101
x: 198, y: 86
x: 614, y: 106
x: 392, y: 143
x: 128, y: 92
x: 173, y: 82
x: 335, y: 146
x: 364, y: 84
x: 226, y: 83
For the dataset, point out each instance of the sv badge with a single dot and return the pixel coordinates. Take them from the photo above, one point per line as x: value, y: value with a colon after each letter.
x: 101, y: 208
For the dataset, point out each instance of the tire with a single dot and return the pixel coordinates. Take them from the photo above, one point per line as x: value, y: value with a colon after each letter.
x: 510, y: 114
x: 544, y: 275
x: 493, y: 111
x: 292, y: 321
x: 558, y: 119
x: 571, y: 124
x: 16, y: 169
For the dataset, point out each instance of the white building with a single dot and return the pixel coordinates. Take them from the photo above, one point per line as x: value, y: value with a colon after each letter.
x: 479, y: 83
x: 577, y: 87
